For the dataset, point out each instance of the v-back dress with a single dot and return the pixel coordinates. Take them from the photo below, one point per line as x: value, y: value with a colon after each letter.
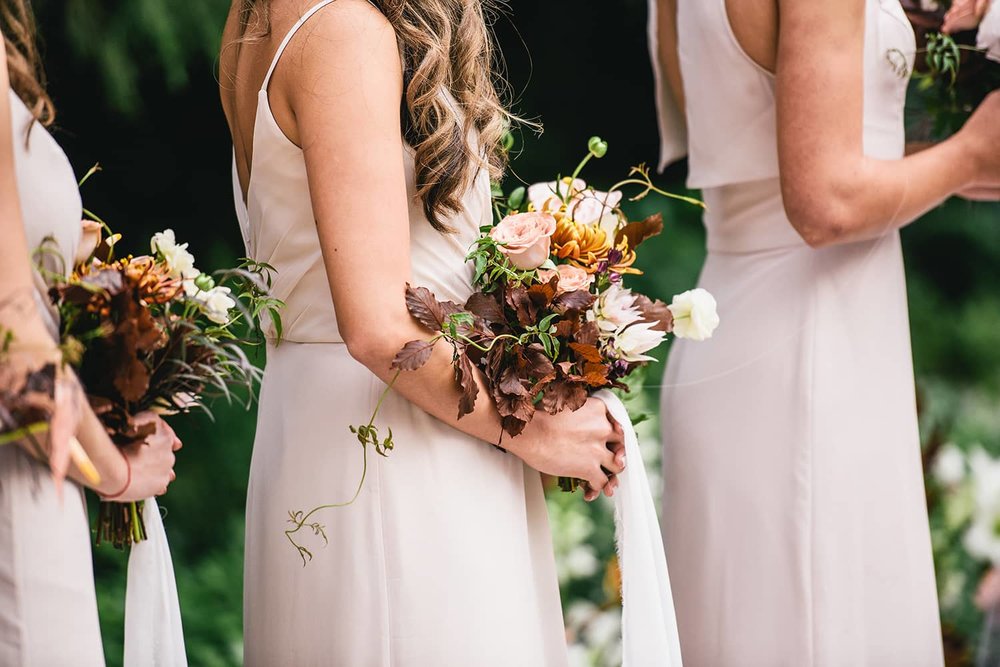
x: 445, y: 559
x: 48, y: 607
x: 794, y: 514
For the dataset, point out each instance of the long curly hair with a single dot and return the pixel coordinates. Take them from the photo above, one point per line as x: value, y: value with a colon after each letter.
x: 451, y: 112
x: 24, y: 64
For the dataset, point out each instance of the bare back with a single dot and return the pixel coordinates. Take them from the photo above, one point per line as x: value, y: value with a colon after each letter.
x: 243, y: 66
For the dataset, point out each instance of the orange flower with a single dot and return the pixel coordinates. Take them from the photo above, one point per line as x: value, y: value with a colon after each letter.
x: 585, y: 246
x: 152, y: 278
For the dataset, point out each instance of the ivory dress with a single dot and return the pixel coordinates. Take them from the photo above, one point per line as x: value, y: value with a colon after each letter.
x: 445, y: 559
x: 794, y: 513
x: 48, y: 608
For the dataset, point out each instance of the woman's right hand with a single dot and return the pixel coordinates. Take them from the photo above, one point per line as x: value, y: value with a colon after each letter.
x: 981, y: 135
x: 574, y: 444
x: 151, y: 460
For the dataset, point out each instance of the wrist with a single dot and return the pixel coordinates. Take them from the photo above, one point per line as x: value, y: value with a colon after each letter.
x: 969, y: 157
x: 115, y: 484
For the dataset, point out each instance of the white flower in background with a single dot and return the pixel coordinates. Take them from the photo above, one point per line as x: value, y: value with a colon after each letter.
x: 579, y: 563
x: 949, y: 466
x: 695, y: 315
x: 178, y: 259
x: 631, y: 343
x: 605, y: 631
x: 982, y: 540
x: 615, y: 309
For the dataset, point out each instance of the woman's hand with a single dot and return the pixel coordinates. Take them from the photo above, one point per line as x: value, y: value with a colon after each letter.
x: 981, y: 135
x: 151, y: 460
x: 964, y: 15
x: 586, y: 444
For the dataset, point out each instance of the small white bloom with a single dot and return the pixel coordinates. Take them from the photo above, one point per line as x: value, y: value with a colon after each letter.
x: 190, y: 289
x: 949, y: 466
x: 581, y: 562
x: 216, y: 304
x: 615, y: 309
x: 178, y: 259
x: 631, y: 343
x: 982, y: 540
x: 695, y: 315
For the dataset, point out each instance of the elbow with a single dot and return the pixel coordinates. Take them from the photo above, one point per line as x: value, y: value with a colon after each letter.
x: 821, y: 221
x: 364, y: 349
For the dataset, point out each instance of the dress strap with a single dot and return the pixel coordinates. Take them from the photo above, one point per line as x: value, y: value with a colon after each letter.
x: 291, y: 33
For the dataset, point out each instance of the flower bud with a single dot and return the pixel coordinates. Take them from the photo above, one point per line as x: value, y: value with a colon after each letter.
x: 598, y: 147
x: 204, y: 282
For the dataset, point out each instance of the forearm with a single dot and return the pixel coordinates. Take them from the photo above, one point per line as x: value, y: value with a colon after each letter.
x: 883, y: 195
x: 433, y: 388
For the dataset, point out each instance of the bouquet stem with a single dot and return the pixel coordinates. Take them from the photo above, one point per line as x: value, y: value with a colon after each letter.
x: 120, y: 524
x: 570, y: 484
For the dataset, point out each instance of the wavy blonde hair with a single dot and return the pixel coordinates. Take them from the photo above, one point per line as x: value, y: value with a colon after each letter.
x: 24, y: 64
x: 452, y: 115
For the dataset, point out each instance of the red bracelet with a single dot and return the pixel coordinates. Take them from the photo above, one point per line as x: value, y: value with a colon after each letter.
x: 128, y: 479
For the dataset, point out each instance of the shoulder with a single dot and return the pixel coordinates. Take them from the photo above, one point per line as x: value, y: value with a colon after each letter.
x: 347, y: 35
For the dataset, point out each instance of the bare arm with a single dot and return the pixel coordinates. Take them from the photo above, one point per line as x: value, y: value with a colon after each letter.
x: 833, y: 193
x: 19, y: 315
x: 345, y: 95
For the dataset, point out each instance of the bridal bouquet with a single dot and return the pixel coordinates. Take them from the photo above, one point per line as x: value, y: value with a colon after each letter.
x: 152, y: 332
x: 551, y: 321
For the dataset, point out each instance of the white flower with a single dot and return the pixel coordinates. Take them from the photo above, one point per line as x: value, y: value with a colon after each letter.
x: 615, y: 309
x: 695, y: 315
x: 982, y: 540
x: 216, y: 304
x: 580, y: 562
x: 548, y: 197
x: 949, y: 466
x: 592, y: 206
x: 178, y: 259
x: 631, y: 343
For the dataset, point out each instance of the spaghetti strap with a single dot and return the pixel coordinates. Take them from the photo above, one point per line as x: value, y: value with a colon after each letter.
x: 291, y: 33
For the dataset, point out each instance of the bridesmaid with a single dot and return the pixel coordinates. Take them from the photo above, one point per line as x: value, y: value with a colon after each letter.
x: 48, y: 608
x: 444, y: 558
x: 794, y: 513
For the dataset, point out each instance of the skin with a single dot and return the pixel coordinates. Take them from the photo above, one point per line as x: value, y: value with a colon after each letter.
x: 964, y: 15
x: 335, y: 94
x: 151, y: 460
x: 832, y: 192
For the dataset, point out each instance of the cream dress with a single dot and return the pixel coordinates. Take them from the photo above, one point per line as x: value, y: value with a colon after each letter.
x: 445, y: 560
x: 794, y: 513
x: 48, y: 608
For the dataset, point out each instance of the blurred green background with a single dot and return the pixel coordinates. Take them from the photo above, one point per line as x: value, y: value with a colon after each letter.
x: 134, y: 83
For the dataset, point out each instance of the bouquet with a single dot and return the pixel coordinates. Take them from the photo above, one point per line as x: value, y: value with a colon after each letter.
x: 152, y: 332
x: 953, y: 76
x: 551, y: 320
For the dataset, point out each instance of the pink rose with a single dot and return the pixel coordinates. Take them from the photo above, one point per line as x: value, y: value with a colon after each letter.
x: 525, y: 238
x: 571, y: 278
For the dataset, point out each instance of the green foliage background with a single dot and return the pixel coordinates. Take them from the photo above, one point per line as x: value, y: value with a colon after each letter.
x: 134, y: 81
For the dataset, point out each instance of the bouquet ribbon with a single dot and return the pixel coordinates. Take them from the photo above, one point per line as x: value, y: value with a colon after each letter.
x: 649, y: 624
x: 153, y: 633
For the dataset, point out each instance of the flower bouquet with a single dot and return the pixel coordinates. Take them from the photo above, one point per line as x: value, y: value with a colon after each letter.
x: 151, y: 332
x: 551, y: 321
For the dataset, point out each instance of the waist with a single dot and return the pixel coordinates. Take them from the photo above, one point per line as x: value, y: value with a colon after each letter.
x: 748, y: 217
